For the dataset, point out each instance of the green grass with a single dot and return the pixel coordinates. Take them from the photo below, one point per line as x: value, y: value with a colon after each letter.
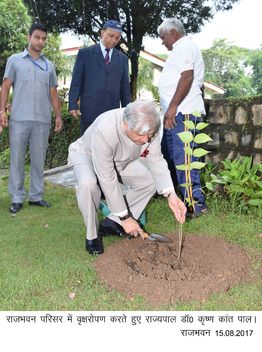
x: 43, y: 257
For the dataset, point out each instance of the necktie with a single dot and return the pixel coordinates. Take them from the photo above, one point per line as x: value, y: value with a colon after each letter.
x: 107, y: 59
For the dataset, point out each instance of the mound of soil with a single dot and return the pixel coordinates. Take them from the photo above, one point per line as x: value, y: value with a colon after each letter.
x: 153, y: 270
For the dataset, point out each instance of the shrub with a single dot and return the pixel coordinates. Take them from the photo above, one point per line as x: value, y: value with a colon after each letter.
x: 57, y: 151
x: 5, y: 158
x: 239, y: 181
x: 4, y: 140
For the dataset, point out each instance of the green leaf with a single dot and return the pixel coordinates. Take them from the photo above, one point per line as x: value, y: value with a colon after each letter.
x: 259, y: 183
x: 202, y: 138
x: 185, y: 184
x: 182, y: 167
x: 201, y: 125
x: 209, y: 186
x: 255, y: 202
x: 196, y: 114
x: 236, y: 189
x: 227, y: 164
x: 186, y: 137
x: 198, y: 152
x: 189, y: 124
x: 189, y: 201
x: 188, y: 150
x: 259, y: 167
x: 197, y: 165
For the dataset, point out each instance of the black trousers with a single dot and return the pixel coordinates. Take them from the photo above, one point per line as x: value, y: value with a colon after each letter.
x: 84, y: 126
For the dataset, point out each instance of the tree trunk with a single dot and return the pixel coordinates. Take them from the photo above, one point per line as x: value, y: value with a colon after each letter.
x: 134, y: 73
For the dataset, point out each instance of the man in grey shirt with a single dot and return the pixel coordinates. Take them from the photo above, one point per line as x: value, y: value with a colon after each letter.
x: 34, y: 83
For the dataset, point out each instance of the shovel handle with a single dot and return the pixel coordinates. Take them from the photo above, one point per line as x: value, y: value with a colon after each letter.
x: 143, y: 234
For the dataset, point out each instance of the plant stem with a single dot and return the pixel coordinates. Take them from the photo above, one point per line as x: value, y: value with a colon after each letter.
x: 180, y: 239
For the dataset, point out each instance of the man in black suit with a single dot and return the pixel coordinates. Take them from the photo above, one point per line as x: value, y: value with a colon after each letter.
x: 100, y: 78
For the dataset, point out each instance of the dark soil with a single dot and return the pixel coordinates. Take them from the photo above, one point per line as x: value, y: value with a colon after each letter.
x: 207, y: 265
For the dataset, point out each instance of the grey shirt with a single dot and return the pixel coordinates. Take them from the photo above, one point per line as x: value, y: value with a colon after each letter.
x: 32, y: 80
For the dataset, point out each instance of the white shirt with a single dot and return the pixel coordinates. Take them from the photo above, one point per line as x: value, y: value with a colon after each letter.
x: 184, y: 56
x: 104, y: 52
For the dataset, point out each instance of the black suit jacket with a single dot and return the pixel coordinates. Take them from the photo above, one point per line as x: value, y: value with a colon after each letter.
x: 99, y: 87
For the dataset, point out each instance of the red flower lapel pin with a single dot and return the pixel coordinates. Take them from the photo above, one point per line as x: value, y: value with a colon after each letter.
x: 145, y: 153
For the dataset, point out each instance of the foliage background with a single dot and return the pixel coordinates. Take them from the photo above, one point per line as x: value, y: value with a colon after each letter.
x: 138, y: 17
x: 238, y: 70
x: 14, y: 24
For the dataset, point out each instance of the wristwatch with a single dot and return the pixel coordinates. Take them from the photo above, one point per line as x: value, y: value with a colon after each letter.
x: 122, y: 218
x: 167, y: 195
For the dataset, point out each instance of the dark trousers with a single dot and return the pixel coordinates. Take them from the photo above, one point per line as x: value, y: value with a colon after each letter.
x: 173, y: 151
x: 84, y: 126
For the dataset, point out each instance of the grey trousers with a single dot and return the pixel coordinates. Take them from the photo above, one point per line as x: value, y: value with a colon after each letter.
x: 138, y: 185
x: 21, y: 134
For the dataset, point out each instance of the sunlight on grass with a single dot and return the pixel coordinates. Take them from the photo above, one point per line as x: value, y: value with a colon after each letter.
x: 43, y: 258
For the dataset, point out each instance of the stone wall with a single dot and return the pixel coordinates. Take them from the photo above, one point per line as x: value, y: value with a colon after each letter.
x: 235, y: 127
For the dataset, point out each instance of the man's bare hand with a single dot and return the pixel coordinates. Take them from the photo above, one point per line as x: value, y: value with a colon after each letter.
x: 75, y: 113
x: 132, y: 227
x: 58, y: 124
x: 170, y: 118
x: 3, y: 119
x: 178, y: 207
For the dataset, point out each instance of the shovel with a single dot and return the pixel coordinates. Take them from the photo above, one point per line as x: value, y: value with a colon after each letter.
x: 154, y: 237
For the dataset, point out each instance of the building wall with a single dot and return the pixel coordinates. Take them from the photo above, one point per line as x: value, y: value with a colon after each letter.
x: 235, y: 127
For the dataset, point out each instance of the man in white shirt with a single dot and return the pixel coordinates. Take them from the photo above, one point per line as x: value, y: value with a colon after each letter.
x: 181, y: 97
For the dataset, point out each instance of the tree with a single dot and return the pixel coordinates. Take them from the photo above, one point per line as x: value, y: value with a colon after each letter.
x: 14, y: 23
x: 53, y: 53
x: 138, y: 16
x: 227, y: 66
x: 145, y: 78
x: 256, y: 62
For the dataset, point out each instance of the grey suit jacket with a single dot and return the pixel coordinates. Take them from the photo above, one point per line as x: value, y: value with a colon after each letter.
x: 106, y: 143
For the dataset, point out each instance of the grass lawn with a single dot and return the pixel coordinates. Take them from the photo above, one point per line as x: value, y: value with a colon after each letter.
x: 43, y: 258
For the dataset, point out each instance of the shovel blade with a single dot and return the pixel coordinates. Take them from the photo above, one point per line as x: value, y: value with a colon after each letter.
x: 156, y: 237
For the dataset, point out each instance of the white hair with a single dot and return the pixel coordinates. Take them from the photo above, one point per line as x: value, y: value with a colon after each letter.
x: 142, y: 117
x: 171, y: 23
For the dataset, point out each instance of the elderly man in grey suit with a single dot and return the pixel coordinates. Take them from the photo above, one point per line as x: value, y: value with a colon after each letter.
x: 121, y: 150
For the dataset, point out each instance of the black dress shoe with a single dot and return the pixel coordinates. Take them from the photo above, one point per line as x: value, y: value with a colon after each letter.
x: 197, y: 213
x: 40, y: 203
x: 95, y: 246
x: 110, y: 227
x: 15, y: 207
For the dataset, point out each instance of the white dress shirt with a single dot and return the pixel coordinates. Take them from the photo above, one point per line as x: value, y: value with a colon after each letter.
x: 184, y: 56
x: 104, y: 52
